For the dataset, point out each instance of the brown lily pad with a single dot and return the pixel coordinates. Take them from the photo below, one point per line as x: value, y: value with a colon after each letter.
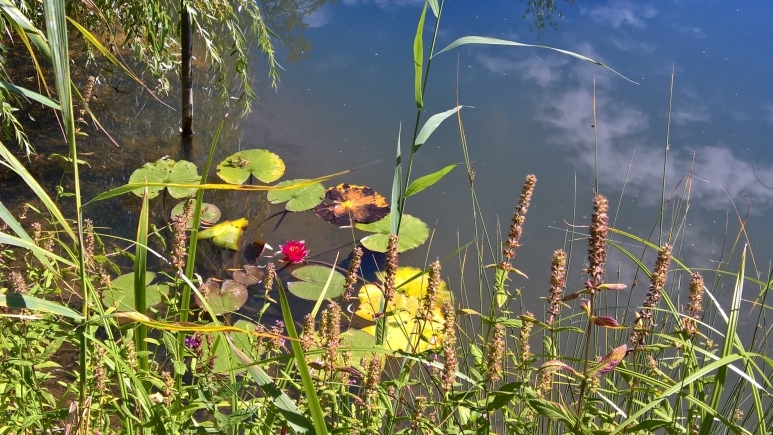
x: 251, y: 275
x: 350, y: 204
x: 222, y: 298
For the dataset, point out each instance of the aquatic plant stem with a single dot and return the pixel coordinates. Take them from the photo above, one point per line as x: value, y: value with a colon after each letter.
x: 401, y: 207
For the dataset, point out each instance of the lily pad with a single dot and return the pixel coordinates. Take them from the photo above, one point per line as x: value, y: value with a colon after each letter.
x: 413, y: 232
x: 210, y: 213
x: 166, y: 171
x: 251, y: 275
x: 121, y: 292
x: 312, y: 282
x: 261, y: 164
x: 226, y: 234
x: 352, y: 204
x: 405, y: 331
x: 222, y: 298
x: 298, y: 198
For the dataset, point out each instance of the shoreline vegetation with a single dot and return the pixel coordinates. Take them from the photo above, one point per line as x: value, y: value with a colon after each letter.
x: 150, y: 339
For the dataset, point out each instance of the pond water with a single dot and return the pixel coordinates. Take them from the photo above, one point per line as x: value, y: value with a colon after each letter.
x: 343, y: 104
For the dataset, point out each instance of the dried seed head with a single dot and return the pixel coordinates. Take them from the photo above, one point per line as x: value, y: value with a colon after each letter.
x: 495, y: 351
x: 180, y: 244
x: 657, y: 282
x: 390, y: 267
x: 597, y: 242
x: 330, y: 332
x: 519, y: 218
x: 523, y: 337
x: 557, y: 284
x: 18, y: 283
x: 429, y: 300
x: 695, y: 307
x: 449, y: 348
x: 307, y: 333
x: 352, y: 273
x: 268, y: 280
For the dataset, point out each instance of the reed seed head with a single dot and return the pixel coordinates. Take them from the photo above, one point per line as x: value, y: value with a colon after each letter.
x: 695, y: 307
x: 657, y: 283
x: 519, y: 218
x: 449, y: 348
x: 495, y: 351
x: 597, y: 242
x: 307, y: 333
x: 430, y: 297
x: 523, y: 337
x: 557, y: 284
x: 390, y: 267
x: 352, y: 273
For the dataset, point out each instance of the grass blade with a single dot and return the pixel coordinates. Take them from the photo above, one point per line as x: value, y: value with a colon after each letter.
x: 42, y: 99
x: 140, y: 264
x: 317, y: 415
x: 430, y: 126
x: 426, y: 181
x: 494, y: 41
x: 418, y: 58
x: 20, y: 301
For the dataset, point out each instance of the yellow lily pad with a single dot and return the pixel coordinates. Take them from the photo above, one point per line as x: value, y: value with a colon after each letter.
x: 226, y: 234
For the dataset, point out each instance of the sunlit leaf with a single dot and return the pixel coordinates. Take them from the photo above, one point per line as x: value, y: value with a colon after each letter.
x: 225, y: 358
x: 428, y: 180
x: 300, y: 198
x: 121, y: 292
x: 261, y: 164
x: 413, y: 232
x: 352, y: 204
x: 404, y: 329
x: 226, y: 234
x: 166, y: 171
x: 225, y: 297
x: 210, y: 213
x: 312, y: 282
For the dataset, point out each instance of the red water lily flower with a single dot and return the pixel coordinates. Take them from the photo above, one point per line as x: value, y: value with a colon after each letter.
x: 294, y: 251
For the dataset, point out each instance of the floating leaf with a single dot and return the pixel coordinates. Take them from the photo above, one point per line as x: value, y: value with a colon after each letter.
x: 226, y: 234
x: 253, y: 251
x: 300, y: 198
x: 251, y: 275
x: 121, y: 292
x: 261, y: 164
x: 312, y: 282
x: 166, y: 171
x: 352, y: 204
x: 222, y: 298
x: 210, y: 213
x: 405, y: 330
x: 413, y: 232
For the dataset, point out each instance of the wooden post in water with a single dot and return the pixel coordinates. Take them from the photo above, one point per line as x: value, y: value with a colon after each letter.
x: 186, y: 74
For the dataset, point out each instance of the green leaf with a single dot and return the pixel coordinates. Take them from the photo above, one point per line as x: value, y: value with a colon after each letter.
x: 222, y: 298
x: 261, y: 164
x: 42, y: 99
x: 225, y: 358
x: 418, y: 58
x: 435, y: 8
x: 20, y: 301
x: 301, y: 198
x: 494, y: 41
x: 426, y: 181
x: 312, y: 283
x: 431, y: 125
x: 413, y: 232
x: 121, y: 292
x: 166, y: 171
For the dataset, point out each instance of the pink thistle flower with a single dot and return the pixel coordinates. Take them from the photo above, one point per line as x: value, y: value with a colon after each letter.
x: 294, y: 251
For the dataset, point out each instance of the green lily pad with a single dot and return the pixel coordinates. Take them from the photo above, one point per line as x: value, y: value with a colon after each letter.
x: 121, y: 292
x: 222, y: 298
x: 298, y: 198
x: 166, y: 171
x: 225, y: 358
x: 360, y: 341
x: 226, y: 234
x: 413, y: 232
x: 261, y: 164
x: 210, y: 213
x: 312, y: 283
